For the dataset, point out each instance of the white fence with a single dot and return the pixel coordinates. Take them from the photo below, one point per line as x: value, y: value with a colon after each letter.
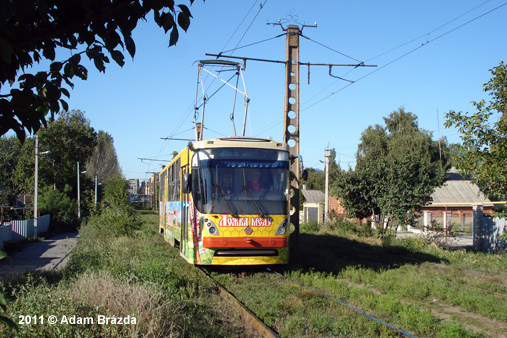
x: 17, y: 231
x: 487, y: 231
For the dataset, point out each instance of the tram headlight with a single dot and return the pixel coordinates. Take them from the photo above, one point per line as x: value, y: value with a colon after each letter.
x: 282, y: 228
x: 211, y: 227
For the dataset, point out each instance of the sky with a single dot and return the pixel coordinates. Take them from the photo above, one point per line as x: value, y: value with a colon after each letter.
x: 431, y: 56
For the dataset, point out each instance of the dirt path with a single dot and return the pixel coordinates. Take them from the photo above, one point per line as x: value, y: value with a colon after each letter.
x: 48, y: 254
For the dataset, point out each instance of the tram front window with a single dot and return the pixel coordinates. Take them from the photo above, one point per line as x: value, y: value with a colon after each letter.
x: 240, y: 181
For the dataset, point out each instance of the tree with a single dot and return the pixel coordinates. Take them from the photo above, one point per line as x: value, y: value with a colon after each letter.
x: 397, y: 168
x: 10, y: 150
x: 116, y: 192
x: 117, y: 213
x: 70, y: 139
x: 332, y: 160
x: 316, y: 180
x: 62, y: 208
x: 103, y: 163
x: 483, y: 152
x: 31, y: 31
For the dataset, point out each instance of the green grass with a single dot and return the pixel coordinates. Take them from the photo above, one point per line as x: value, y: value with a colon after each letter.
x: 422, y: 289
x: 135, y: 275
x: 418, y: 287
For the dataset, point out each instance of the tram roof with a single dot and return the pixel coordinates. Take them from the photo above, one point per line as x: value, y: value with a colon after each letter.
x: 240, y: 142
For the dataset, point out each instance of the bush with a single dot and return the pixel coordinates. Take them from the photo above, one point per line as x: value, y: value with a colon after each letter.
x: 120, y: 221
x: 61, y: 207
x: 342, y: 224
x: 117, y: 215
x: 116, y: 192
x: 310, y: 227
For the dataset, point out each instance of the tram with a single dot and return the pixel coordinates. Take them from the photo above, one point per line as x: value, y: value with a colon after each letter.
x: 225, y: 201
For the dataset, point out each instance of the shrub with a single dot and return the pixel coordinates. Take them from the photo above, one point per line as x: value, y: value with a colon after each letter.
x: 116, y: 192
x: 61, y: 207
x: 117, y: 214
x: 310, y: 227
x: 342, y: 224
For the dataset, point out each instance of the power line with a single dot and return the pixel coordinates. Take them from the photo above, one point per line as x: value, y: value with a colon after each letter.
x: 237, y: 28
x: 427, y: 34
x: 334, y: 50
x: 398, y: 58
x: 408, y: 53
x: 251, y: 44
x: 192, y: 105
x: 251, y: 23
x: 216, y: 132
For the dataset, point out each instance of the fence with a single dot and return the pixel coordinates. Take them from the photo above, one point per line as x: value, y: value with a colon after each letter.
x: 461, y: 224
x: 484, y: 228
x: 17, y: 231
x: 487, y: 231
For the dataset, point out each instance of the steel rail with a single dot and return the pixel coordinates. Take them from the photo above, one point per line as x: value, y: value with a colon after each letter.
x: 346, y: 305
x: 248, y: 316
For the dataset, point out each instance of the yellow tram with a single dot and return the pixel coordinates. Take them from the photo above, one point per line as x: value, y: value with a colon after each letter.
x: 225, y: 201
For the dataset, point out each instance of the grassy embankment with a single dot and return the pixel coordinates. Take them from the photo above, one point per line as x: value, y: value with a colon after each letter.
x: 416, y: 286
x: 109, y: 274
x: 420, y: 288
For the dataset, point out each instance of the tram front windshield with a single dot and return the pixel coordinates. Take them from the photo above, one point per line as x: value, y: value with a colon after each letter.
x: 239, y: 181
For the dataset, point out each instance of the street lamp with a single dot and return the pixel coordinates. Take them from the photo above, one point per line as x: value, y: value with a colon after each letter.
x: 78, y: 191
x: 326, y: 205
x: 36, y: 184
x: 96, y: 184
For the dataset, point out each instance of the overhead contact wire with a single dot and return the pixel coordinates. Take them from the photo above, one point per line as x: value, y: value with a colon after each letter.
x: 251, y: 23
x: 427, y: 34
x: 409, y: 52
x: 334, y: 50
x: 252, y: 44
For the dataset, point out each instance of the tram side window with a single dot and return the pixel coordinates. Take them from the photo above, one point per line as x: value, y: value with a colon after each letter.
x: 176, y: 175
x: 170, y: 185
x: 162, y: 186
x: 174, y: 181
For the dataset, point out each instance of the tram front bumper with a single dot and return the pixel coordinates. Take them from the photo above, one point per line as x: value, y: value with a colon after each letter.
x: 244, y: 242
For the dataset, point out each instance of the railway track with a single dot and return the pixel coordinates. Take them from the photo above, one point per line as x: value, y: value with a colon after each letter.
x: 251, y: 320
x: 316, y: 295
x: 248, y: 316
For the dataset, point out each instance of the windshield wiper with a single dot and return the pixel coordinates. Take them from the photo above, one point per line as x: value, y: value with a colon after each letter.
x: 259, y: 209
x: 235, y: 215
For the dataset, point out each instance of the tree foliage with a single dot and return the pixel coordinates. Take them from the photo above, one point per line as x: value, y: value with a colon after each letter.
x: 317, y: 179
x: 32, y: 31
x: 10, y: 150
x: 70, y: 139
x: 117, y: 214
x: 397, y: 168
x: 116, y: 192
x: 103, y: 162
x: 483, y: 152
x: 61, y: 206
x: 333, y: 165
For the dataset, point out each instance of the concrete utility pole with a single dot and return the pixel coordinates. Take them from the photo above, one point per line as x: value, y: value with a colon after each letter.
x: 291, y: 107
x: 95, y: 204
x: 36, y: 187
x: 78, y: 194
x: 326, y: 205
x: 291, y: 117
